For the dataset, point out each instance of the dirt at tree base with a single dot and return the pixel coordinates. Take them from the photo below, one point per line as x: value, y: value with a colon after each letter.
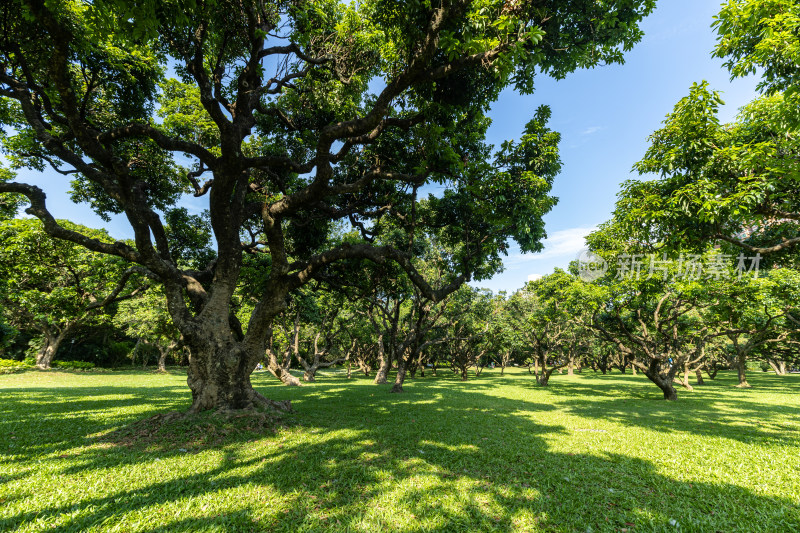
x: 187, y: 432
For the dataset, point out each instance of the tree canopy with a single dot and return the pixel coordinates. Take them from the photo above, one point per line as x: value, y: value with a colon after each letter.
x: 290, y: 117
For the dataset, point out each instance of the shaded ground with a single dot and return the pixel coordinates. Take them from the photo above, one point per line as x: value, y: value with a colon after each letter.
x: 590, y: 453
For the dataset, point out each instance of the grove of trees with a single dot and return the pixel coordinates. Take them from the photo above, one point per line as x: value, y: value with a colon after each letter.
x: 352, y: 200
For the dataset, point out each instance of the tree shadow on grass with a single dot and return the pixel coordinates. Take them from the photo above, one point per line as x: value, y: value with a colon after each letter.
x: 716, y: 409
x: 441, y: 457
x: 39, y: 421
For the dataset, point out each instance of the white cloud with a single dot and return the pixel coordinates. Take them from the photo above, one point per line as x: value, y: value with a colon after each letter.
x: 591, y: 130
x: 534, y: 277
x: 562, y: 243
x: 560, y: 248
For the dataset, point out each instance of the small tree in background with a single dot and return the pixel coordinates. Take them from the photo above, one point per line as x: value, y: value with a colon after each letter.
x: 53, y: 286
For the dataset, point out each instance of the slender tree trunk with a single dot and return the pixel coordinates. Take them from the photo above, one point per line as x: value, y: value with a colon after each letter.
x: 401, y: 375
x: 685, y: 381
x: 699, y: 375
x: 384, y: 363
x: 741, y: 369
x: 162, y: 358
x: 163, y: 352
x: 778, y: 366
x: 571, y: 365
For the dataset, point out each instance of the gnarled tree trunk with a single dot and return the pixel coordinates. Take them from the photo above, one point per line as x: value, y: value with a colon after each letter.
x: 52, y: 341
x: 281, y: 370
x: 219, y: 377
x: 662, y: 380
x: 278, y: 368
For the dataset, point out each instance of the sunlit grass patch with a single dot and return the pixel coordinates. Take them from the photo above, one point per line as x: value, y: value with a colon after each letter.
x: 592, y: 452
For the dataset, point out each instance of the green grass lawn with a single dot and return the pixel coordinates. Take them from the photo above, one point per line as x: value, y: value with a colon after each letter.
x: 590, y: 453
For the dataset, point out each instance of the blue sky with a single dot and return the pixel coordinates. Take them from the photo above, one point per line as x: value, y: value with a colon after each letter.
x: 604, y: 115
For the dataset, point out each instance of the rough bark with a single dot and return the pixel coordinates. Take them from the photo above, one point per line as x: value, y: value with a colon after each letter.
x: 221, y: 357
x: 219, y: 378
